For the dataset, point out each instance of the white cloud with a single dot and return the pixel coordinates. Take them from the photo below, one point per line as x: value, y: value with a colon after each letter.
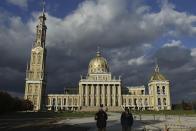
x: 171, y: 21
x: 193, y: 52
x: 110, y: 24
x: 20, y: 3
x: 173, y: 43
x: 137, y: 61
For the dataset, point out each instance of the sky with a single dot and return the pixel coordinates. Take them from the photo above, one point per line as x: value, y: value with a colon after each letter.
x: 131, y: 36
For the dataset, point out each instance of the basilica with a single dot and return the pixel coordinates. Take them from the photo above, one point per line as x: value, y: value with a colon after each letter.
x: 99, y: 86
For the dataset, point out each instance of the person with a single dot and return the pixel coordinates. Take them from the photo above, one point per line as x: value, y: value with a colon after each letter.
x: 126, y: 120
x: 101, y: 118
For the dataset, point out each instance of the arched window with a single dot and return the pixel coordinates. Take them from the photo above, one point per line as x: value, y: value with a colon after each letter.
x: 146, y: 102
x: 35, y: 100
x: 38, y: 73
x: 135, y: 101
x: 158, y: 90
x: 36, y: 89
x: 159, y: 101
x: 164, y: 101
x: 39, y: 58
x: 163, y: 89
x: 30, y: 74
x: 30, y: 89
x: 64, y: 101
x: 134, y: 93
x: 53, y: 101
x: 33, y: 58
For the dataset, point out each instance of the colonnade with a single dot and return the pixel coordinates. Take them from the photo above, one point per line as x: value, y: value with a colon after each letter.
x: 63, y: 102
x: 136, y: 102
x: 96, y: 94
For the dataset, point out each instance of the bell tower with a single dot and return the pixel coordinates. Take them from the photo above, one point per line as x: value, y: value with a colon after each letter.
x: 35, y: 84
x: 159, y: 89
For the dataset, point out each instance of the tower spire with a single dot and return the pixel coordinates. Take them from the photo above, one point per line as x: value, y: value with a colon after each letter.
x: 41, y: 28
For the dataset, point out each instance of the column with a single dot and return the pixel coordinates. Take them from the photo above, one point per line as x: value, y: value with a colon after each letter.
x: 67, y: 99
x: 97, y: 95
x: 127, y: 101
x: 81, y: 94
x: 108, y: 95
x: 92, y: 95
x: 114, y: 95
x: 61, y: 103
x: 87, y: 95
x: 50, y: 101
x: 132, y: 102
x: 119, y: 95
x: 72, y: 102
x: 103, y: 95
x: 56, y: 103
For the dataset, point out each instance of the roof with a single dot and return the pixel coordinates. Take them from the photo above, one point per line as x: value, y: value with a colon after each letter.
x: 136, y: 87
x: 157, y: 76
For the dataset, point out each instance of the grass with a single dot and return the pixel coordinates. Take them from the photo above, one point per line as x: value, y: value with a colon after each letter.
x: 68, y: 114
x: 39, y: 121
x: 42, y: 115
x: 172, y: 112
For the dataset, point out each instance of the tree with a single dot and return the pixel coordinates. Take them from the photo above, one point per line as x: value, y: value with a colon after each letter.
x: 6, y: 102
x: 27, y: 105
x: 12, y: 104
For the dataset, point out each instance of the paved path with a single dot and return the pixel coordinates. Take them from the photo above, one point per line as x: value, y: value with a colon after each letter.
x: 113, y: 123
x: 147, y: 121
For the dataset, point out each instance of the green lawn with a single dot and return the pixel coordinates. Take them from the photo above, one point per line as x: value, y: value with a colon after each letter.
x: 31, y: 121
x: 47, y: 114
x: 172, y: 112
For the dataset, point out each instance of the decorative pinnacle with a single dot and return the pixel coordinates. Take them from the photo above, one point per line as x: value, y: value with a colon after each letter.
x: 157, y: 66
x: 98, y: 51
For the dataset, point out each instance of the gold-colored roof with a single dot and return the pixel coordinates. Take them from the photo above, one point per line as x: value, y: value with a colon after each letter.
x: 157, y: 76
x: 98, y: 64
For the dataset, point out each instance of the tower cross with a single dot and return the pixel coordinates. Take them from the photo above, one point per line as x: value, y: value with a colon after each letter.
x: 43, y: 6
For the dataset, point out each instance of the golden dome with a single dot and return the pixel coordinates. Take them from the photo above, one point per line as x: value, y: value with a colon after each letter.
x: 98, y: 64
x: 157, y: 76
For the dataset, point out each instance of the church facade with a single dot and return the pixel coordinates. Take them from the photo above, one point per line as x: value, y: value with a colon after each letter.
x: 99, y: 86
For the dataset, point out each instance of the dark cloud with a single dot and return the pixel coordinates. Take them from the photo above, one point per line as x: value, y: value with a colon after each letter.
x: 124, y: 30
